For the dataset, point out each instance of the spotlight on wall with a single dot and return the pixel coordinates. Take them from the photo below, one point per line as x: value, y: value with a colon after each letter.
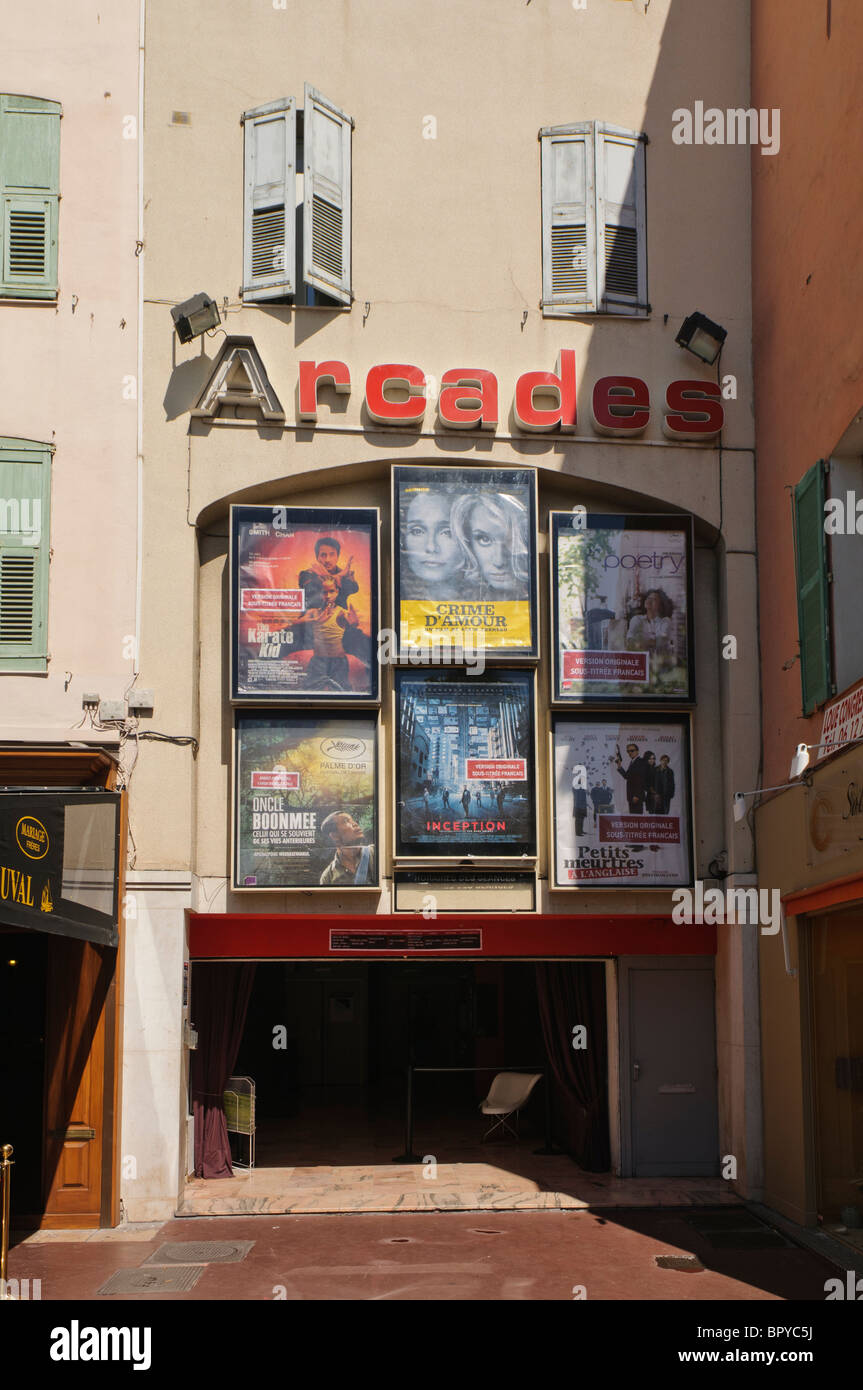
x: 800, y: 761
x: 738, y: 801
x: 195, y: 316
x: 701, y: 336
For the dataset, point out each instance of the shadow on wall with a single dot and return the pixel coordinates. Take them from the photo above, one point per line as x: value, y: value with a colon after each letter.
x: 186, y: 383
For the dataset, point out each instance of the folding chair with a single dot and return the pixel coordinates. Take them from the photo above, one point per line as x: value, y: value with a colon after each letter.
x: 508, y: 1093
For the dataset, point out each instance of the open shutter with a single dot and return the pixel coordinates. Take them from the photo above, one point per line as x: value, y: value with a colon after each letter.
x: 25, y: 496
x: 813, y: 598
x: 30, y: 194
x: 568, y: 219
x: 621, y: 243
x: 326, y: 196
x: 269, y: 235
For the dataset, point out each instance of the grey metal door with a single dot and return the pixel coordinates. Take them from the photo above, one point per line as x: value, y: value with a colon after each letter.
x: 673, y: 1073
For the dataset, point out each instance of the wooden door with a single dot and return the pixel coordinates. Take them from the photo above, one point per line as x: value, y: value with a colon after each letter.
x: 837, y: 999
x: 78, y: 981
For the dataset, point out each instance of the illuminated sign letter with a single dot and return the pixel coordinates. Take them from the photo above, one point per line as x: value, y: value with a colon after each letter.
x: 395, y: 376
x: 695, y: 410
x: 621, y: 405
x: 468, y: 397
x: 560, y: 385
x: 336, y: 373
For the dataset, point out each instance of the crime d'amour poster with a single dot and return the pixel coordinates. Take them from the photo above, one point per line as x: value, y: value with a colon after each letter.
x: 621, y: 605
x: 305, y: 801
x: 304, y: 610
x: 464, y: 559
x: 622, y: 801
x: 465, y: 764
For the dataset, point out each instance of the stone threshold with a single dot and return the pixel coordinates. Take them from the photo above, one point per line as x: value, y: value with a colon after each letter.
x: 457, y: 1187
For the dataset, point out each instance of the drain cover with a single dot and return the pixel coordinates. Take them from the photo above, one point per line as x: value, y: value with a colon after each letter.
x: 735, y: 1230
x: 201, y: 1252
x: 687, y: 1264
x: 176, y: 1280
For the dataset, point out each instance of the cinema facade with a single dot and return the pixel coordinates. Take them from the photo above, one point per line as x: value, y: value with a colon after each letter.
x: 417, y: 616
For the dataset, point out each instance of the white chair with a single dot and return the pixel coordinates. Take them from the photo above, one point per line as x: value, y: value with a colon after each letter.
x: 509, y: 1092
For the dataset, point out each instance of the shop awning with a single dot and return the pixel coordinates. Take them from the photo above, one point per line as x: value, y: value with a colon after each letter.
x: 59, y: 862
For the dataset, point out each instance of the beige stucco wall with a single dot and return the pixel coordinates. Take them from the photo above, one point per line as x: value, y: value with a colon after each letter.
x: 69, y: 368
x: 446, y: 254
x: 446, y: 263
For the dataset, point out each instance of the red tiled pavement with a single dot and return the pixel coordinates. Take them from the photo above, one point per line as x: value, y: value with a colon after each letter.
x: 440, y: 1256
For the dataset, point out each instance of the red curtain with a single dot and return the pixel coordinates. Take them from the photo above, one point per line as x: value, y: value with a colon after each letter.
x: 220, y: 1002
x: 572, y: 993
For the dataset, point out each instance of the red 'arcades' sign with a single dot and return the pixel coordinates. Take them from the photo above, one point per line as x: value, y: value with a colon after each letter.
x: 395, y: 394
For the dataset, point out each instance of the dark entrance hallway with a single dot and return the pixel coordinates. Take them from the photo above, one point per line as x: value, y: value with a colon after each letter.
x: 328, y: 1045
x: 331, y: 1085
x: 23, y: 967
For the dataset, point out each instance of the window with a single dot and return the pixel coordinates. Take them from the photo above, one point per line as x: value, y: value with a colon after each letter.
x: 297, y: 202
x: 813, y: 593
x: 842, y: 512
x: 25, y: 501
x: 594, y: 238
x: 828, y: 561
x: 30, y: 194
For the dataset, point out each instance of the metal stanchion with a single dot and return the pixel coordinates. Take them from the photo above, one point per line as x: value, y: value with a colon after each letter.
x: 409, y: 1156
x: 6, y: 1166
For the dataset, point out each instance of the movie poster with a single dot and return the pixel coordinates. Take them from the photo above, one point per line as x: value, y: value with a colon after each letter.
x: 464, y: 561
x: 305, y: 802
x: 621, y: 603
x: 304, y: 603
x: 622, y: 802
x: 465, y: 766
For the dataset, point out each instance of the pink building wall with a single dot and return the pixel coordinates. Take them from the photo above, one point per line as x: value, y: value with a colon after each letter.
x: 807, y: 284
x: 69, y: 367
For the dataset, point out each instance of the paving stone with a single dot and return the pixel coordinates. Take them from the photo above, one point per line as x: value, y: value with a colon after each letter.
x: 201, y: 1252
x: 176, y: 1279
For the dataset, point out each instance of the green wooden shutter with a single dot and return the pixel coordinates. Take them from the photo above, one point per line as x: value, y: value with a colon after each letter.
x: 29, y: 196
x: 25, y: 501
x: 813, y: 596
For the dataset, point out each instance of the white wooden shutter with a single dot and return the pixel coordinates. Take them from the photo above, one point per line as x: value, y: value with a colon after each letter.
x: 621, y: 242
x: 269, y: 233
x: 568, y: 219
x: 29, y: 196
x: 326, y: 196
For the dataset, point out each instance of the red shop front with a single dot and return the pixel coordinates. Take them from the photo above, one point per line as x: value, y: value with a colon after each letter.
x: 327, y: 1012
